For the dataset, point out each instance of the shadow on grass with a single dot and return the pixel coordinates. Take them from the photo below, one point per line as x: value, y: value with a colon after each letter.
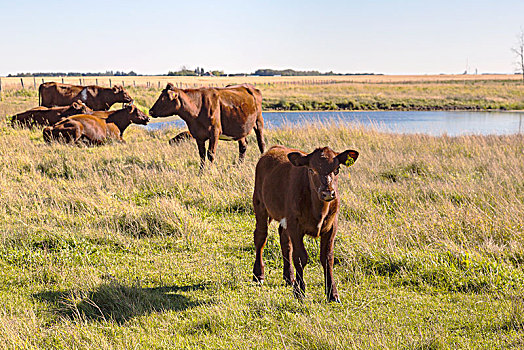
x: 117, y: 302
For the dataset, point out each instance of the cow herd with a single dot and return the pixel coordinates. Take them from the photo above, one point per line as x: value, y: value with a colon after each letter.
x: 296, y: 189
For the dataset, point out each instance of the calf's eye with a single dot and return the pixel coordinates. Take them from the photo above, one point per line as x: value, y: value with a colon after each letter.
x: 336, y: 171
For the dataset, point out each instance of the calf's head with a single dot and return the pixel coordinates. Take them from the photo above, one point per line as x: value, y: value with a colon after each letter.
x: 136, y: 115
x: 80, y: 107
x: 167, y: 103
x: 323, y: 166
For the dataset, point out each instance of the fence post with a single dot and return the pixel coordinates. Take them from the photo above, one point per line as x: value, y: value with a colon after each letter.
x: 159, y: 84
x: 109, y: 82
x: 62, y: 80
x: 134, y: 84
x: 0, y: 89
x: 22, y: 82
x: 42, y: 80
x: 123, y: 85
x: 34, y: 82
x: 96, y: 81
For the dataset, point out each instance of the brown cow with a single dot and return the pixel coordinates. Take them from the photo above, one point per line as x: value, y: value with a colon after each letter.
x: 95, y: 97
x: 300, y: 191
x: 97, y: 128
x: 211, y: 112
x: 43, y: 116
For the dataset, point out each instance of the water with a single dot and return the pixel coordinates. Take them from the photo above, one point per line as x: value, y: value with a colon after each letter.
x: 435, y: 123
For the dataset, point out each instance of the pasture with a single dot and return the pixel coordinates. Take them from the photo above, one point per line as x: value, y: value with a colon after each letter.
x: 124, y: 246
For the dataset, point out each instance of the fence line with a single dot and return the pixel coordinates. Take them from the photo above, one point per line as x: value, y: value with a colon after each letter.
x: 23, y: 84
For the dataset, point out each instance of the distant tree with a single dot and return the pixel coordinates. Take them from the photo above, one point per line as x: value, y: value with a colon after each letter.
x: 519, y: 52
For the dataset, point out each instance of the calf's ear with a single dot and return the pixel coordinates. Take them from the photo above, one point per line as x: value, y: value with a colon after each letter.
x: 172, y: 95
x: 348, y: 157
x: 298, y: 159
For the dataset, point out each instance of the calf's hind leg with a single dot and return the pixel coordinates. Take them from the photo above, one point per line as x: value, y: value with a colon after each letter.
x: 285, y: 245
x: 260, y: 239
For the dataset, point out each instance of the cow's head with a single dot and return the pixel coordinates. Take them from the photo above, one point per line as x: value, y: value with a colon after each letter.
x: 323, y: 165
x: 121, y: 94
x: 167, y: 103
x: 136, y: 115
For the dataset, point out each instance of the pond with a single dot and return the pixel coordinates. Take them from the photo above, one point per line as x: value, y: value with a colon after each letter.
x: 452, y: 123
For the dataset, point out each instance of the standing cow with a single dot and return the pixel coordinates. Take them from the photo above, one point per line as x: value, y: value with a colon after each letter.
x: 95, y: 97
x: 299, y: 190
x: 210, y: 113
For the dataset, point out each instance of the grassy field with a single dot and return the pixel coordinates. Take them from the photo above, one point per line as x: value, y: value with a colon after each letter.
x: 441, y: 92
x: 124, y: 246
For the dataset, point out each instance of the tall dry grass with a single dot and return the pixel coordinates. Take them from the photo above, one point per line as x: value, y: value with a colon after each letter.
x: 125, y: 245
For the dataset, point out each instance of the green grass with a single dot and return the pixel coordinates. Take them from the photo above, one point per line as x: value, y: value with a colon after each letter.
x: 125, y: 246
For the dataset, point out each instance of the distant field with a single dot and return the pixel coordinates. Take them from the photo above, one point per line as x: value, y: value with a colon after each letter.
x: 15, y: 83
x: 431, y: 92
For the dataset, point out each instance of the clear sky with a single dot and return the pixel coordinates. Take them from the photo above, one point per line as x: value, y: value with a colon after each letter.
x: 152, y: 37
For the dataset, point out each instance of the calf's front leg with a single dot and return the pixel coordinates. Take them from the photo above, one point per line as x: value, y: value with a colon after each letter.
x: 327, y: 241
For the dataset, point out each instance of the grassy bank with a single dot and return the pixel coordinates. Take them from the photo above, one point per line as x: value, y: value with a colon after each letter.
x: 124, y: 246
x: 341, y: 95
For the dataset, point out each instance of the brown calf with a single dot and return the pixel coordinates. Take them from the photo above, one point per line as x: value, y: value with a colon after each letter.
x: 97, y: 128
x: 43, y: 116
x: 95, y: 97
x: 300, y: 191
x: 211, y: 112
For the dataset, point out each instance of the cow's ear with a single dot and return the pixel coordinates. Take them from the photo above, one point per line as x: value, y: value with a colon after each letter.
x: 170, y: 86
x: 298, y: 159
x: 76, y: 105
x: 348, y: 157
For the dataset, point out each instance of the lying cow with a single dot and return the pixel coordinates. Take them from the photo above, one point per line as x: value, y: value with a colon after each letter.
x: 43, y: 116
x: 95, y: 97
x: 209, y: 113
x: 97, y: 128
x: 183, y: 136
x: 299, y: 190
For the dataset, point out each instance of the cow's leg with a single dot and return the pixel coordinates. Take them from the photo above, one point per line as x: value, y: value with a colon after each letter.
x: 327, y: 241
x: 260, y: 238
x: 213, y: 143
x: 300, y: 258
x: 201, y: 152
x: 259, y: 131
x: 285, y: 245
x: 242, y: 147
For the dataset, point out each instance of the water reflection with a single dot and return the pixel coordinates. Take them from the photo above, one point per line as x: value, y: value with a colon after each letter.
x: 432, y: 122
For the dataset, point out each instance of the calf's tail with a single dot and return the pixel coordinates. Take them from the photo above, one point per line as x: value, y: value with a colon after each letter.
x: 48, y: 134
x: 40, y: 95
